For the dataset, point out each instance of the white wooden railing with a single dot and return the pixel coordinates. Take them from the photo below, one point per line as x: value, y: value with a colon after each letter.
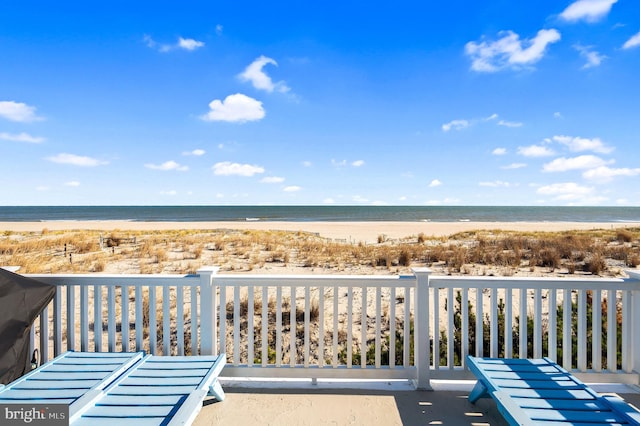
x: 313, y: 324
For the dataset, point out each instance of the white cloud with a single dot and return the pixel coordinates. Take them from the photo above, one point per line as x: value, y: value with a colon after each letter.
x: 509, y: 51
x: 563, y: 164
x: 360, y: 199
x: 18, y: 111
x: 337, y: 163
x: 535, y: 151
x: 358, y: 163
x: 292, y: 188
x: 509, y: 123
x: 195, y: 152
x: 604, y: 174
x: 455, y: 125
x: 577, y: 144
x: 328, y: 201
x: 568, y: 191
x: 491, y: 117
x: 42, y: 188
x: 307, y: 163
x: 182, y: 43
x: 189, y: 43
x: 499, y: 151
x: 227, y: 168
x: 21, y: 137
x: 496, y: 184
x: 219, y: 29
x: 514, y: 166
x: 169, y: 192
x: 588, y: 10
x: 167, y: 166
x: 235, y: 108
x: 434, y: 183
x: 272, y: 179
x: 73, y: 183
x: 593, y: 58
x: 557, y: 114
x: 634, y: 41
x: 76, y: 160
x: 259, y: 79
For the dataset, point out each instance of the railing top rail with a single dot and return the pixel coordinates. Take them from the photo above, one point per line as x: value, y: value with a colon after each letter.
x: 117, y: 279
x: 315, y: 280
x: 536, y: 282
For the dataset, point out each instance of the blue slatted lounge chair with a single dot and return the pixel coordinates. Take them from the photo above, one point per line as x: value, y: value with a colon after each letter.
x: 159, y: 390
x: 67, y: 378
x: 540, y: 392
x: 121, y: 388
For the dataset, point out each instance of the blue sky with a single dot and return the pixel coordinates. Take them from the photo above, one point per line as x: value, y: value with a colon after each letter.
x: 358, y: 103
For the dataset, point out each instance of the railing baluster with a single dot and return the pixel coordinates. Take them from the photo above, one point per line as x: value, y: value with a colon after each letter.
x: 180, y: 320
x: 44, y: 335
x: 612, y: 310
x: 265, y: 326
x: 493, y: 328
x: 84, y: 318
x: 251, y: 341
x: 166, y: 320
x: 627, y: 356
x: 307, y: 320
x: 321, y: 297
x: 508, y: 323
x: 450, y: 328
x: 293, y: 330
x: 363, y: 329
x: 218, y: 312
x: 392, y: 327
x: 334, y: 347
x: 111, y: 318
x: 553, y: 325
x: 523, y: 353
x: 567, y: 344
x: 97, y: 318
x: 124, y: 320
x: 479, y: 321
x: 436, y: 327
x: 153, y: 321
x: 57, y: 323
x: 349, y: 327
x: 223, y: 319
x: 582, y: 330
x: 236, y: 325
x: 464, y: 332
x: 378, y: 337
x: 71, y: 317
x: 139, y: 308
x: 537, y: 323
x: 278, y: 326
x: 596, y: 332
x: 406, y: 345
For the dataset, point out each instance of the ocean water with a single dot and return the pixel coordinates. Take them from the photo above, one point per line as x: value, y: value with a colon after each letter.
x: 321, y: 213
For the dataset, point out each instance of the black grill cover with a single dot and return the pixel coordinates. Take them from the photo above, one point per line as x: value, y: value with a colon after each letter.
x: 21, y: 301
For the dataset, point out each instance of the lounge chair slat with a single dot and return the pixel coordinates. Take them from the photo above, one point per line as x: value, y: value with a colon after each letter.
x: 603, y: 417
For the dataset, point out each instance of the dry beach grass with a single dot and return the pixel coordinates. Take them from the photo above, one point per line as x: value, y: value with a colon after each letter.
x: 496, y: 251
x: 271, y: 248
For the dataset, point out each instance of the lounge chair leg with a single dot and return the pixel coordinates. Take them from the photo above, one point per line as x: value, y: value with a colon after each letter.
x: 479, y: 391
x: 216, y: 391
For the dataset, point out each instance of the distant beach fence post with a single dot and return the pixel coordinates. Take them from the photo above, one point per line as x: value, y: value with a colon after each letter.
x: 422, y: 337
x: 208, y: 311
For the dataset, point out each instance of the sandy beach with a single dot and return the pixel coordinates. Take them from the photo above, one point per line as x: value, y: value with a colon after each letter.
x: 348, y: 231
